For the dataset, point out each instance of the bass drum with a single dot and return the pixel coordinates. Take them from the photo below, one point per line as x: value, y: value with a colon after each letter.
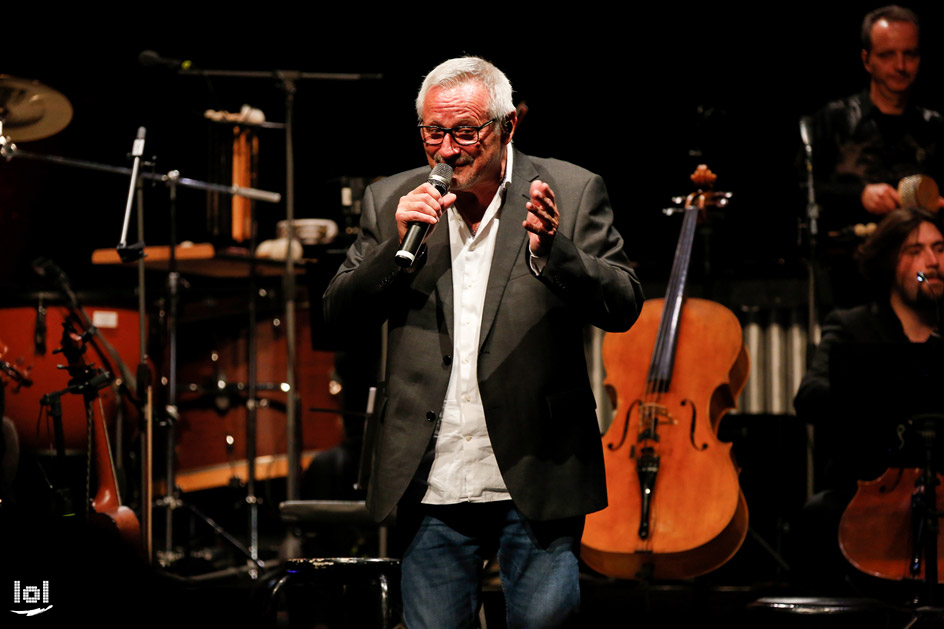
x: 31, y: 338
x: 213, y: 391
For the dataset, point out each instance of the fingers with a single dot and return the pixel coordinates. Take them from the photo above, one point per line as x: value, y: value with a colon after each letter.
x: 422, y: 205
x: 894, y: 199
x: 543, y: 217
x: 542, y: 209
x: 880, y: 198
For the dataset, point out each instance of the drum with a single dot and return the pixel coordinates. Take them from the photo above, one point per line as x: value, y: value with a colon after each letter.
x: 31, y: 337
x: 213, y: 393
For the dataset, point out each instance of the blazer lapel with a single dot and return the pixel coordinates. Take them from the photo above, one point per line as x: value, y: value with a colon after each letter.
x: 510, y: 243
x: 439, y: 262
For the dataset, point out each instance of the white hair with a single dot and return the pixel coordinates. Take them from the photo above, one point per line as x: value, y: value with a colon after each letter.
x: 454, y: 72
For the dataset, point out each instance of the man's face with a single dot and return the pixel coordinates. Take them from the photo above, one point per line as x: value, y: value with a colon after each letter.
x: 923, y: 250
x: 477, y: 165
x: 894, y: 60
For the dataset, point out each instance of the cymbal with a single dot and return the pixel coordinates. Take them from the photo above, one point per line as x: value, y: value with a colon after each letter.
x: 30, y: 110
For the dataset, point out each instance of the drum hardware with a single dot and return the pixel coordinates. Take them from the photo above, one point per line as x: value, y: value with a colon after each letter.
x: 19, y: 375
x: 169, y: 556
x: 9, y: 150
x: 223, y: 396
x: 173, y: 284
x: 287, y: 81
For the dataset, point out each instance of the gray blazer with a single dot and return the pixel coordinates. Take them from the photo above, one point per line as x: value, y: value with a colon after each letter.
x: 539, y: 407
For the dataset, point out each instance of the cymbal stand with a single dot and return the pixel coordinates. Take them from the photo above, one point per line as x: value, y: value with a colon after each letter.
x: 287, y: 81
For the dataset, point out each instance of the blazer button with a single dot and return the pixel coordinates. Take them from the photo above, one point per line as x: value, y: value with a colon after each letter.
x: 430, y: 416
x: 447, y: 360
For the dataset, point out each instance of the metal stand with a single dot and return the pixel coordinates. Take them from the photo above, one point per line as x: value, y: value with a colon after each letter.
x: 924, y: 512
x: 812, y: 232
x: 287, y: 80
x: 9, y: 150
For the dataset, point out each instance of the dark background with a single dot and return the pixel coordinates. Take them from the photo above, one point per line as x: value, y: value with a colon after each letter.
x: 641, y: 99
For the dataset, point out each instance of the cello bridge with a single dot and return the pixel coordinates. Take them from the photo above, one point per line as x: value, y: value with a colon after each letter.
x: 651, y: 415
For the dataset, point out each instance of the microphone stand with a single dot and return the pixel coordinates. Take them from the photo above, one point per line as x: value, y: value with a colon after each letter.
x: 144, y: 380
x: 812, y: 231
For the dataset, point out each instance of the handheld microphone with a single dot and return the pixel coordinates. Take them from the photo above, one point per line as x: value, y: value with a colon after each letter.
x: 440, y: 178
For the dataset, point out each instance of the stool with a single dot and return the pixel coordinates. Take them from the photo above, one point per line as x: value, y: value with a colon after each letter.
x: 813, y: 612
x: 362, y: 592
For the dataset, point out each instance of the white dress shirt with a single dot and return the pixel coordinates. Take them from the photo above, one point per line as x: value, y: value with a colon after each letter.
x: 464, y: 468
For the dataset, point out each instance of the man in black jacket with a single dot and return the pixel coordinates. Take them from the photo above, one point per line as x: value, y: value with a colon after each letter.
x: 877, y: 365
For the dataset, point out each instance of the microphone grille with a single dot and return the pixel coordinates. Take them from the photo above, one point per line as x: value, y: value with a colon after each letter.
x: 442, y: 171
x: 441, y: 177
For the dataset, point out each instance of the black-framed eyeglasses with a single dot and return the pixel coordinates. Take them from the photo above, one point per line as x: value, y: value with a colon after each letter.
x: 464, y: 135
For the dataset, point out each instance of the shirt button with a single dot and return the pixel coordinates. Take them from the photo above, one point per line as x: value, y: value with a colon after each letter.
x: 430, y: 416
x: 468, y: 437
x: 467, y: 398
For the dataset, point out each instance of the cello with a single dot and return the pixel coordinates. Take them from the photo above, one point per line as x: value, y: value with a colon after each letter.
x: 676, y: 509
x: 883, y: 531
x: 890, y: 529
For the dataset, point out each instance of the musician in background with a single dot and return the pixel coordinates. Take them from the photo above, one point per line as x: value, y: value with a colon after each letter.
x: 865, y: 144
x: 903, y: 263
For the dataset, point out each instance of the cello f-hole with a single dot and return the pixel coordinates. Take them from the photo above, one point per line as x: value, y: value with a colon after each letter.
x: 691, y: 433
x: 629, y: 412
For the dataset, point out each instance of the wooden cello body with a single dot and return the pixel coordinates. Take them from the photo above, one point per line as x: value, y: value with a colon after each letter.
x: 676, y: 509
x: 878, y: 531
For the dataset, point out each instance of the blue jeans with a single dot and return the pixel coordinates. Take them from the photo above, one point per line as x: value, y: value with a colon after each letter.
x: 446, y: 550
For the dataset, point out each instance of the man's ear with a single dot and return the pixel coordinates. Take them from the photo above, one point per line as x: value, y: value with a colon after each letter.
x: 508, y: 126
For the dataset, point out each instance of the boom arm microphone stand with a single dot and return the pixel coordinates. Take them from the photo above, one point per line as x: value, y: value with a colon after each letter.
x: 135, y: 253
